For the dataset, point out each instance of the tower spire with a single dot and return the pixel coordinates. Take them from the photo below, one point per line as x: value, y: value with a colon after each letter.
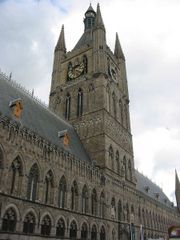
x: 99, y: 21
x: 61, y: 41
x: 118, y: 50
x: 177, y: 190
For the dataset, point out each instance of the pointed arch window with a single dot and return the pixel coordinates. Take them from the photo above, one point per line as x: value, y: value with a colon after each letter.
x: 126, y: 116
x: 85, y: 63
x: 84, y: 231
x: 127, y: 212
x: 46, y: 226
x: 121, y: 111
x: 94, y: 233
x: 68, y: 106
x: 16, y: 179
x: 130, y: 169
x: 80, y: 103
x: 84, y: 200
x: 111, y: 157
x: 74, y: 196
x: 113, y: 235
x: 125, y: 167
x: 29, y: 223
x: 120, y: 211
x: 117, y: 162
x: 62, y: 192
x: 73, y: 230
x: 60, y: 228
x: 9, y: 220
x: 114, y: 104
x: 94, y: 202
x: 102, y: 205
x: 102, y: 233
x: 33, y: 182
x: 113, y: 208
x: 49, y: 187
x: 108, y: 99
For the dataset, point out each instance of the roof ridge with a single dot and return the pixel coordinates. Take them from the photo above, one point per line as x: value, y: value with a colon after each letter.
x: 30, y: 94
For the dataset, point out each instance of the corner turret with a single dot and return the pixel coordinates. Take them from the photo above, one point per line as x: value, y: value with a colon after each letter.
x: 59, y: 56
x: 118, y: 53
x: 99, y: 44
x: 177, y: 190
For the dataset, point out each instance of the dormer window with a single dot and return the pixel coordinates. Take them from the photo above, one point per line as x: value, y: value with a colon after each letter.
x: 157, y: 195
x: 147, y: 188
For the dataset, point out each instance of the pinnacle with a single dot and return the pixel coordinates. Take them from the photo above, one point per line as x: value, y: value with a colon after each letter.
x: 99, y: 20
x: 118, y: 50
x: 61, y: 41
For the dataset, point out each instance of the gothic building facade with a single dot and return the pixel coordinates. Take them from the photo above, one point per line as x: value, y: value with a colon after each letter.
x: 67, y: 171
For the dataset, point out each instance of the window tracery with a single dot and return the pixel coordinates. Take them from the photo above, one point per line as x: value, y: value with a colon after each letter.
x: 32, y: 183
x: 46, y: 226
x: 29, y: 223
x: 9, y: 220
x: 62, y: 192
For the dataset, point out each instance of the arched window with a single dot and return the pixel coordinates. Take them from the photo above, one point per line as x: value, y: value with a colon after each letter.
x: 49, y: 181
x: 62, y: 192
x: 117, y: 162
x: 130, y: 169
x: 102, y: 233
x: 111, y: 157
x: 80, y: 103
x: 74, y: 196
x: 1, y: 158
x: 29, y: 223
x: 84, y: 231
x: 60, y: 228
x: 114, y: 104
x: 113, y: 234
x: 125, y: 167
x: 121, y: 112
x: 108, y: 99
x: 84, y: 200
x: 113, y: 208
x: 120, y: 211
x: 94, y: 202
x: 73, y: 230
x: 16, y: 179
x: 85, y: 62
x: 46, y: 226
x: 33, y: 182
x: 102, y: 205
x: 9, y: 220
x: 94, y: 233
x: 126, y: 116
x: 143, y: 217
x: 127, y: 212
x: 68, y: 106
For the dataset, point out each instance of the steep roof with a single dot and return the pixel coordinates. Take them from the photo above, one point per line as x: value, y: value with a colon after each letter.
x: 38, y: 118
x: 85, y: 40
x: 150, y: 189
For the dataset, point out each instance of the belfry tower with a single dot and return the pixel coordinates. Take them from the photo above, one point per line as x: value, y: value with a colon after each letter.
x: 89, y: 88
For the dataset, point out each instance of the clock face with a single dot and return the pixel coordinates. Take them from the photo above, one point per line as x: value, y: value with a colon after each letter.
x: 76, y: 71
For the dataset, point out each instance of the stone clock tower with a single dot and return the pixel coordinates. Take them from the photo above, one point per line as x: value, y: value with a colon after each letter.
x: 89, y: 88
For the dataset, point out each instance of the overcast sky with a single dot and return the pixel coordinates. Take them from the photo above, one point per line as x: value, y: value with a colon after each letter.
x: 150, y: 37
